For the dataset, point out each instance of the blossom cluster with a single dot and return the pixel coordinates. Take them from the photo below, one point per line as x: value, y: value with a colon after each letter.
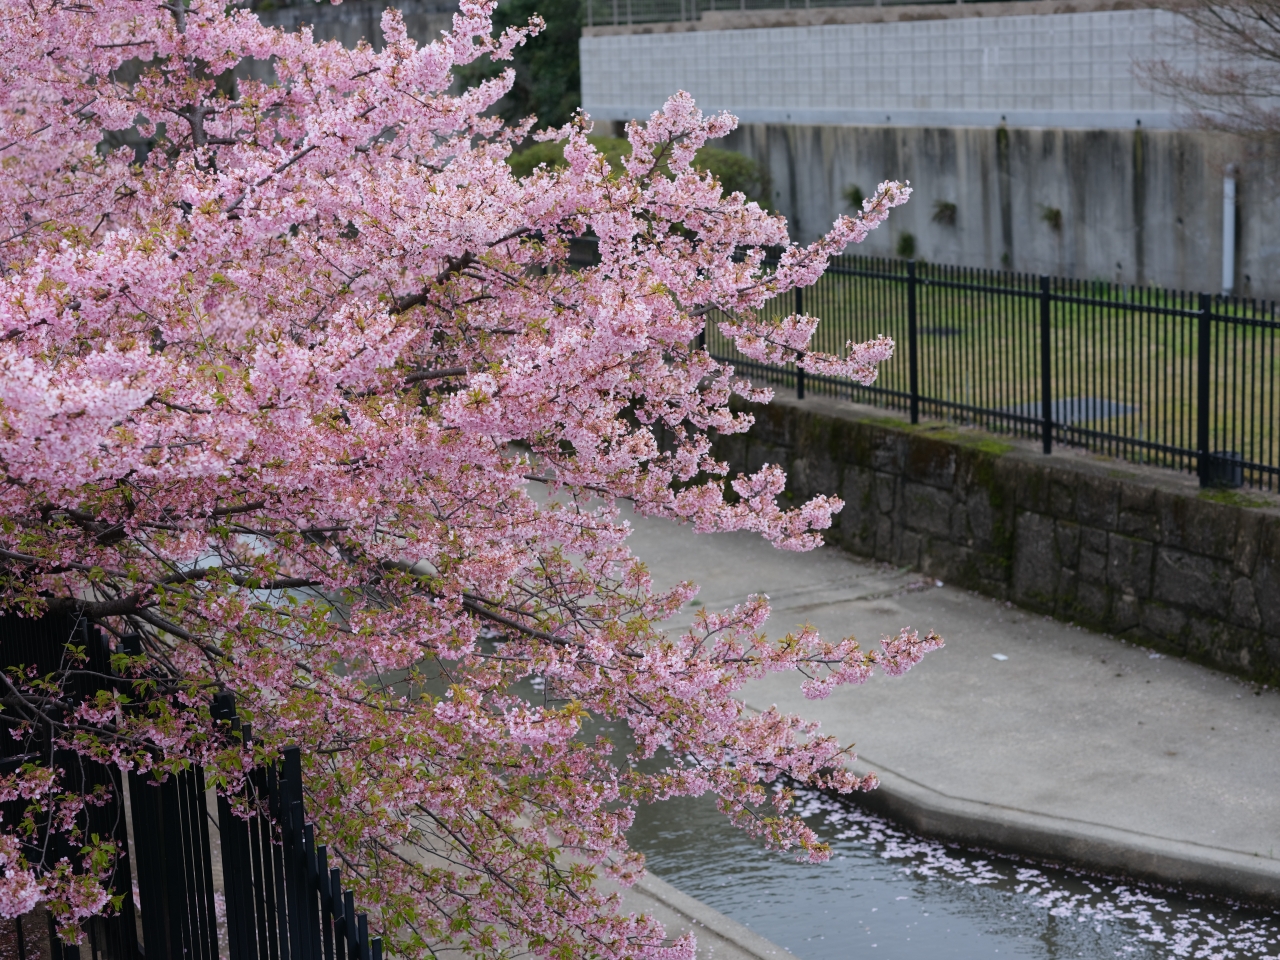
x: 301, y: 401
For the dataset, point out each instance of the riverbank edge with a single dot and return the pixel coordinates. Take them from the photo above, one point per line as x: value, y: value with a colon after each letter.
x: 706, y: 920
x: 1214, y: 872
x: 1134, y: 551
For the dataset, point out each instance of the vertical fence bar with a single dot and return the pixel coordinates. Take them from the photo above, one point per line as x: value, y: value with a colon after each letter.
x: 799, y: 369
x: 1205, y: 340
x: 913, y: 361
x: 1046, y: 369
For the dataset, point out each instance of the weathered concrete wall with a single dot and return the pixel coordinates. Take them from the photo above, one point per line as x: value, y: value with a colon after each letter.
x: 1042, y: 65
x: 1133, y: 206
x: 1129, y: 551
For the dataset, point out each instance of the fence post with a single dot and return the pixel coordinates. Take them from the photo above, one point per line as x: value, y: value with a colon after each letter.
x: 799, y: 369
x: 1046, y: 369
x: 1205, y: 340
x: 913, y: 361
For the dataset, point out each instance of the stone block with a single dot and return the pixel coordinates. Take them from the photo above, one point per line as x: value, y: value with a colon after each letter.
x: 1091, y: 606
x: 981, y: 517
x: 1244, y: 606
x: 851, y: 443
x: 1035, y: 566
x: 1137, y: 498
x: 1201, y: 639
x: 1097, y: 502
x: 857, y: 520
x: 1126, y: 611
x: 813, y: 475
x: 1092, y: 566
x: 1032, y: 488
x: 1196, y: 583
x: 1066, y: 536
x: 858, y: 490
x: 1134, y: 523
x: 1068, y: 594
x: 926, y: 509
x: 1269, y: 659
x: 946, y: 562
x: 733, y: 451
x: 1251, y: 530
x: 931, y: 462
x: 886, y: 489
x: 1163, y: 621
x: 907, y: 549
x: 993, y: 568
x: 1095, y: 540
x: 1129, y: 565
x: 759, y: 454
x: 884, y: 538
x: 1198, y: 526
x: 1266, y: 592
x: 887, y: 452
x: 775, y: 424
x: 1062, y: 494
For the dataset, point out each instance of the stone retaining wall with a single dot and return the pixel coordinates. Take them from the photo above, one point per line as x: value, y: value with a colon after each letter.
x: 1132, y: 551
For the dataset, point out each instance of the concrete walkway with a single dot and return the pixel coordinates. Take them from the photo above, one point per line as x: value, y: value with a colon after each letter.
x: 1023, y: 733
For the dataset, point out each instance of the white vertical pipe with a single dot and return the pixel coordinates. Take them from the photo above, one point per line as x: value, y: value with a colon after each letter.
x: 1229, y: 229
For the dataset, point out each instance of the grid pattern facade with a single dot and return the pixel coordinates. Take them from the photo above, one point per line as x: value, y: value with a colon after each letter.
x: 1061, y: 70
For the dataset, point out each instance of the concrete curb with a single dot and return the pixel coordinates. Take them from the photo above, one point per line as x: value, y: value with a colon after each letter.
x: 1079, y: 843
x: 710, y: 920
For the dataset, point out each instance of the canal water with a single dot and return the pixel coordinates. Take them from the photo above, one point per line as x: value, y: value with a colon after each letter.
x: 887, y: 894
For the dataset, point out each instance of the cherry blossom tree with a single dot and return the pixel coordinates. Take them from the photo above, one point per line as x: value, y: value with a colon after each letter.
x: 300, y: 401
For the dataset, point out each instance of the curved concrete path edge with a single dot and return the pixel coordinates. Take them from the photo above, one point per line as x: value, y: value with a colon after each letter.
x: 1077, y: 843
x: 707, y: 920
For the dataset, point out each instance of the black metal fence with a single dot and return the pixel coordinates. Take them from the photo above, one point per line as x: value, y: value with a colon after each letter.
x: 41, y: 645
x: 1182, y: 380
x: 283, y: 901
x: 289, y: 903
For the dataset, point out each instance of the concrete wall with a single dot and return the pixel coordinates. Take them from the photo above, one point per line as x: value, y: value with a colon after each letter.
x: 1031, y: 117
x: 1135, y: 206
x: 1134, y: 552
x: 1075, y: 70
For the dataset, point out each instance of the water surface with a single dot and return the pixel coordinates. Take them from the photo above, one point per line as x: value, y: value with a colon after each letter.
x: 890, y: 895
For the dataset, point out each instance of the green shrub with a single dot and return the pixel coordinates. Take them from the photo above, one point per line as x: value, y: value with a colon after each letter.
x: 1053, y: 217
x: 737, y: 173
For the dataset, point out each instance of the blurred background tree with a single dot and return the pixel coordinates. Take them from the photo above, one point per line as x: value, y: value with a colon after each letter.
x: 737, y: 173
x: 1235, y: 86
x: 547, y: 81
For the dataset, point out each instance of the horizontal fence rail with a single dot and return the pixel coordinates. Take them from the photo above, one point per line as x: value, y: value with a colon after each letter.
x: 1174, y: 379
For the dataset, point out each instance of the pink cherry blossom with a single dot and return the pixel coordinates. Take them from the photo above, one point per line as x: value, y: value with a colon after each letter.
x: 298, y: 388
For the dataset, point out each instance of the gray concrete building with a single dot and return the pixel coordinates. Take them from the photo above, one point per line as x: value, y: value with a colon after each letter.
x: 1027, y: 129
